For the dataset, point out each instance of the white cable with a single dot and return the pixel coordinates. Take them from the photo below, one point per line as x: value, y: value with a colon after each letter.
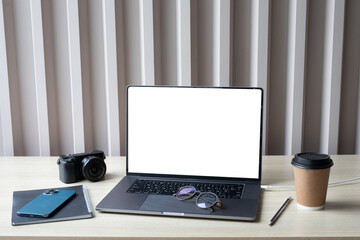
x: 267, y: 187
x: 344, y: 181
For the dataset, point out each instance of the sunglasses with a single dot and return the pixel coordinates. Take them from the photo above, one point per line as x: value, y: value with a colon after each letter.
x: 204, y: 200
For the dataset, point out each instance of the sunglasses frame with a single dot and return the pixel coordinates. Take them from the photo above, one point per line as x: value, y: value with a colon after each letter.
x: 217, y: 203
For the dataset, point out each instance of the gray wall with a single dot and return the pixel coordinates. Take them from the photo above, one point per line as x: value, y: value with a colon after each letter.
x: 64, y: 66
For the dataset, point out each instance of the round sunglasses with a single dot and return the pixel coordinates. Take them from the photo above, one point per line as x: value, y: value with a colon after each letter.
x: 204, y: 200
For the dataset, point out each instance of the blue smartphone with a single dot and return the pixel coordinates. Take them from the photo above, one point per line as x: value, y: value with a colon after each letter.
x: 45, y: 204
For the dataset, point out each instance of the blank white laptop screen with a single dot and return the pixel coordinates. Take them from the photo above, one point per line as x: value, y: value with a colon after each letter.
x: 212, y: 132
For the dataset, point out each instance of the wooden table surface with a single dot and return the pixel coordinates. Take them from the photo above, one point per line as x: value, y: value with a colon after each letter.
x: 339, y: 220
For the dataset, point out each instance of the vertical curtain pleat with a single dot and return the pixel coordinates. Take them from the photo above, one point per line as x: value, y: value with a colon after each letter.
x: 73, y: 37
x: 65, y: 65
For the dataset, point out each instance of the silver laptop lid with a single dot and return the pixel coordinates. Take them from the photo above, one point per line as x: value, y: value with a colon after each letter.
x: 194, y: 131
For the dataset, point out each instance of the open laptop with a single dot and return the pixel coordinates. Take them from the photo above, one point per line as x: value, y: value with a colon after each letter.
x: 206, y: 137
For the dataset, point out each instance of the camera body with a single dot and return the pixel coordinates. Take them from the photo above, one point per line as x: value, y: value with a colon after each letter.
x: 74, y: 167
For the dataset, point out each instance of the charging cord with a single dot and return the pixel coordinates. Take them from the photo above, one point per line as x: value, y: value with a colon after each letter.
x: 344, y: 181
x: 269, y: 187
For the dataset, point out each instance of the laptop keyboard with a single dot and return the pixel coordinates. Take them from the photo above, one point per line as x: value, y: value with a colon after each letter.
x: 233, y: 191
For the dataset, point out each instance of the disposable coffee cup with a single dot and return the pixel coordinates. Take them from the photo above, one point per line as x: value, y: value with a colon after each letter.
x: 311, y: 173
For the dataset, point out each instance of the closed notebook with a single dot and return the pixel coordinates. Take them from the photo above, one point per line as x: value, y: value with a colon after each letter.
x: 79, y: 207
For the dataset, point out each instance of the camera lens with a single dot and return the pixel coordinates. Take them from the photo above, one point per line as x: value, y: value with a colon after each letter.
x: 93, y: 168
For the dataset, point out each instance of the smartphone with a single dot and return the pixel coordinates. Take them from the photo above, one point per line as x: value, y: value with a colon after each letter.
x: 45, y: 204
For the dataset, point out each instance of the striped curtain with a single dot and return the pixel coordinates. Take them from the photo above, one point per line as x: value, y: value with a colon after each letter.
x: 64, y: 66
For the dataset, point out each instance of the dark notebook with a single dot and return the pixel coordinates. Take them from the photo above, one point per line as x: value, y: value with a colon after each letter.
x: 77, y: 208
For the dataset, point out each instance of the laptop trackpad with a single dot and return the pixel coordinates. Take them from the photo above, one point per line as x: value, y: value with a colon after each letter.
x: 169, y: 204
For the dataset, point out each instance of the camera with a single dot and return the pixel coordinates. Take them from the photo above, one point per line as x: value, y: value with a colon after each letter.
x: 74, y: 167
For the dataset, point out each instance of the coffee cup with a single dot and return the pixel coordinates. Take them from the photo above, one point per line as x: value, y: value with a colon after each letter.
x: 311, y: 173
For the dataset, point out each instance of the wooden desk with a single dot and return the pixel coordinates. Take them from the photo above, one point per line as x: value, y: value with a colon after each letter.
x: 340, y: 219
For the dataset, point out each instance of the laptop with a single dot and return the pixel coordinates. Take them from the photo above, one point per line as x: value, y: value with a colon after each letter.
x: 206, y: 137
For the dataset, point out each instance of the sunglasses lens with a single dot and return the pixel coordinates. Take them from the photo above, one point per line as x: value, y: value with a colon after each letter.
x: 206, y: 200
x: 185, y: 192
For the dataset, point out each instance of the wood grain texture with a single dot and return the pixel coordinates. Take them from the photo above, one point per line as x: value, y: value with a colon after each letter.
x: 339, y: 219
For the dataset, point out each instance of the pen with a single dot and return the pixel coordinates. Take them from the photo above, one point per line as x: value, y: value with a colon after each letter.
x: 277, y: 214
